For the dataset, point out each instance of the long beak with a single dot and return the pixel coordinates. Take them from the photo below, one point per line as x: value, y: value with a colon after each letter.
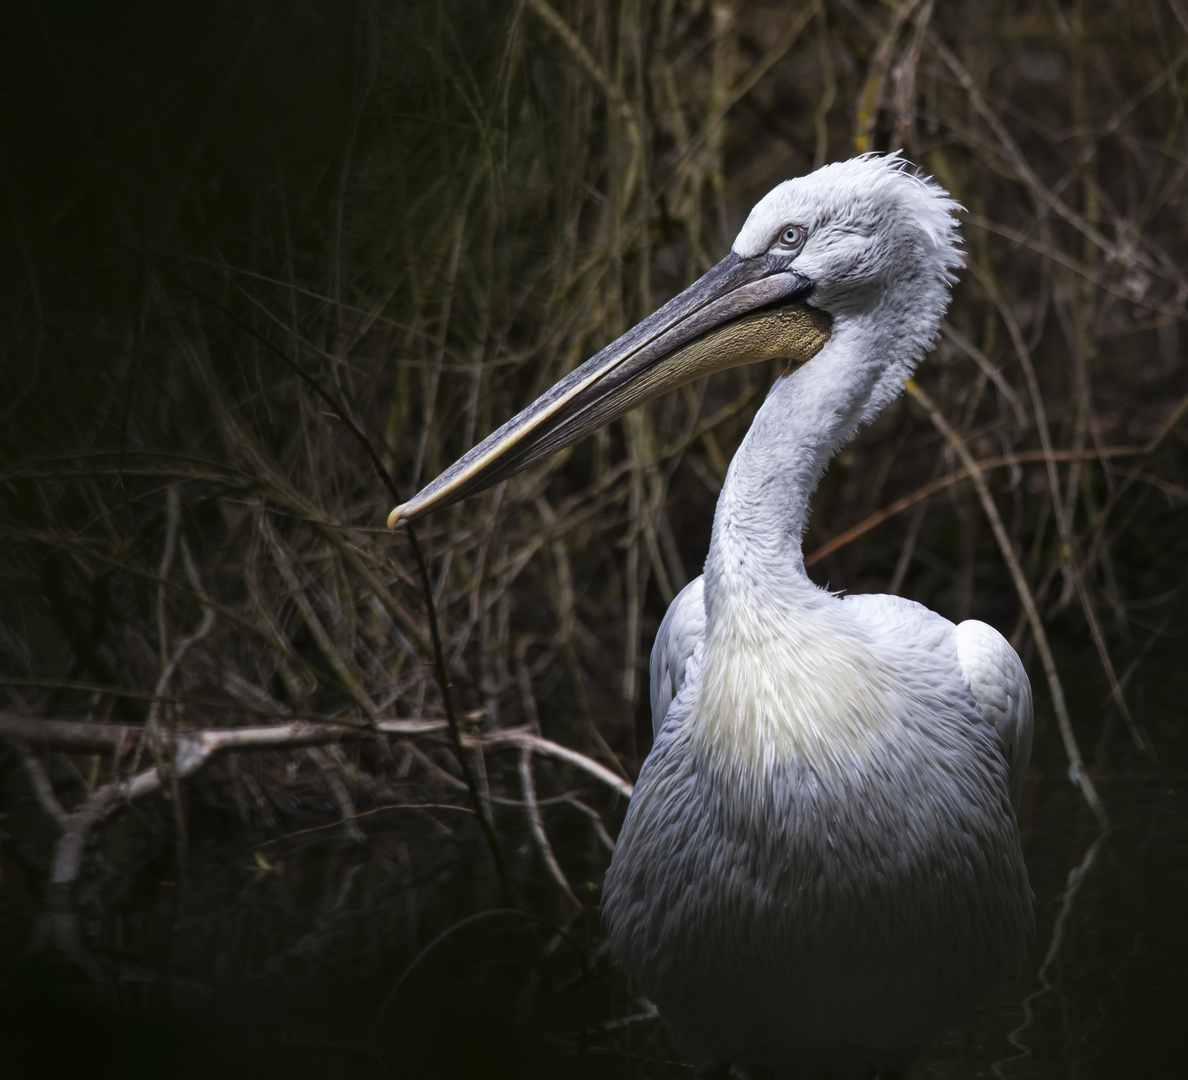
x: 741, y: 312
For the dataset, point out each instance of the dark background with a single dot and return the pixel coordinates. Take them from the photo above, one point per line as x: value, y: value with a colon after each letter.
x: 238, y: 242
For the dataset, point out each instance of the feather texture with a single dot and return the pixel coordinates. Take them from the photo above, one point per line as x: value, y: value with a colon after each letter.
x: 820, y: 867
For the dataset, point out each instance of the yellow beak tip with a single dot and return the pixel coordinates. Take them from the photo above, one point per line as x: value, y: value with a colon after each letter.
x: 394, y: 517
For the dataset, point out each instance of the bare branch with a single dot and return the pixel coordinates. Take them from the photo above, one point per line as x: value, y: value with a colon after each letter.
x: 1077, y: 770
x: 536, y: 825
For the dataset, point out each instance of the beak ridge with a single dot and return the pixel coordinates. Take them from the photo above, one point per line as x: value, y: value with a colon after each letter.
x: 741, y: 311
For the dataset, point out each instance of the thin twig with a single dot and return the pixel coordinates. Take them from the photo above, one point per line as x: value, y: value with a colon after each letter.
x: 1077, y: 770
x: 451, y: 709
x: 536, y: 825
x: 339, y: 790
x: 948, y: 480
x: 43, y: 790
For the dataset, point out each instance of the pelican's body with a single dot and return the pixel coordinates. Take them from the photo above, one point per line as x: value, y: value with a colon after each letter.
x: 820, y: 867
x: 822, y: 870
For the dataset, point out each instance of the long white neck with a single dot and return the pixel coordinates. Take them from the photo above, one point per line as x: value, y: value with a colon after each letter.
x: 783, y: 670
x: 755, y: 551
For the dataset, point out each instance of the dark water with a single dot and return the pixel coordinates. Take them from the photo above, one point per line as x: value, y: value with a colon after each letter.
x: 315, y: 956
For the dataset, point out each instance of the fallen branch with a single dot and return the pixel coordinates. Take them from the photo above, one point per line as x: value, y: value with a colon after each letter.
x: 547, y: 748
x: 70, y: 735
x: 195, y: 747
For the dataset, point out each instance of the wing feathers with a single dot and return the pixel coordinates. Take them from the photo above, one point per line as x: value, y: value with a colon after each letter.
x: 683, y: 627
x: 1001, y: 690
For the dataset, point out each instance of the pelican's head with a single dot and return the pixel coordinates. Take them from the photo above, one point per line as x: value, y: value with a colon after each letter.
x: 857, y: 243
x: 876, y: 240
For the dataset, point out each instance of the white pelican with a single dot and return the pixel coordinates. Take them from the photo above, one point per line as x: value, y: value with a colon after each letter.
x: 820, y: 868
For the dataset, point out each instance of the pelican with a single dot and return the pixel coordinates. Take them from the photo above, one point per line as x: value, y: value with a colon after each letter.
x: 820, y: 868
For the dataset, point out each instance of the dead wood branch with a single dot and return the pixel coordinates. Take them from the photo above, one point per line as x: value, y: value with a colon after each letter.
x: 194, y: 748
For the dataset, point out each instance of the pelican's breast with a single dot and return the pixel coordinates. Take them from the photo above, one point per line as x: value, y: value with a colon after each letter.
x: 778, y: 685
x: 821, y: 845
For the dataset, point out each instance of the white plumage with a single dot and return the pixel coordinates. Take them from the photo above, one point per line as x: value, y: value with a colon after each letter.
x: 993, y: 673
x: 820, y: 867
x: 1002, y: 692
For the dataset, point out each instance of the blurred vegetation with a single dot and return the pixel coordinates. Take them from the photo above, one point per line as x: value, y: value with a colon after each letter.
x: 239, y: 240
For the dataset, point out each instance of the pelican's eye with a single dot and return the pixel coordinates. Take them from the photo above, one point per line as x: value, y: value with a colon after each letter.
x: 791, y: 238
